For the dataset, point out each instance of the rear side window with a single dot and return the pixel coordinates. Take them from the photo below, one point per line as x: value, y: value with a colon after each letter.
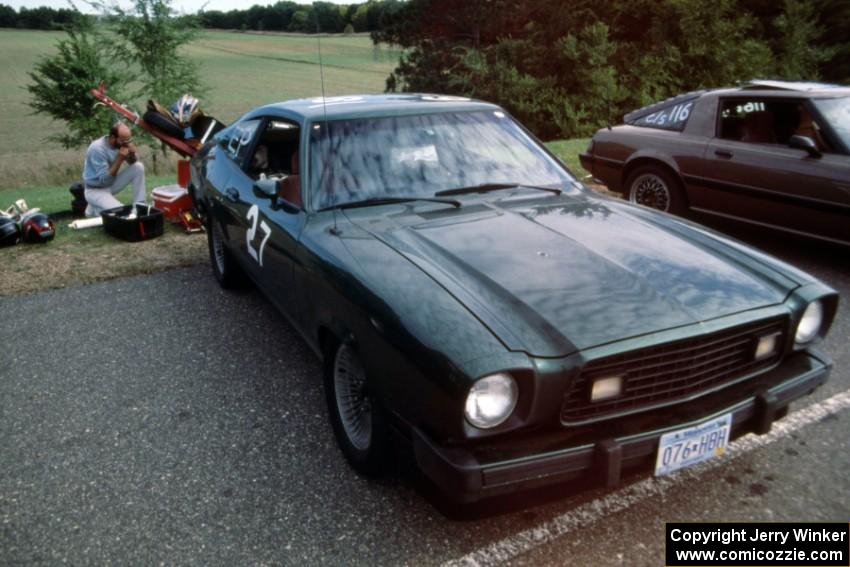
x: 240, y: 139
x: 670, y: 117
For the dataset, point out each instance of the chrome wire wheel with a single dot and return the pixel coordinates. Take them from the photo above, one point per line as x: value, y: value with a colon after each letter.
x: 352, y: 398
x: 650, y: 190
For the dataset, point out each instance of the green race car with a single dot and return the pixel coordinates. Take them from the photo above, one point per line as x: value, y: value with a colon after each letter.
x: 471, y: 301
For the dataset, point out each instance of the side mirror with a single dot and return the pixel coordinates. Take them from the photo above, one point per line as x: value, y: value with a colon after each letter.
x: 266, y: 187
x: 281, y: 203
x: 805, y: 143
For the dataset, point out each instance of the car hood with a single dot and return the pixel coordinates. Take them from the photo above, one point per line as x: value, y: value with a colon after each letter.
x: 555, y: 275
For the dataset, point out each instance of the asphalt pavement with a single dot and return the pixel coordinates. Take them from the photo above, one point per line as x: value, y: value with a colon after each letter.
x: 161, y: 420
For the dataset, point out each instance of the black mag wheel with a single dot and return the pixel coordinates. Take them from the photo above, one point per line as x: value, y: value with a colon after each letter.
x: 225, y: 269
x: 356, y: 416
x: 655, y: 187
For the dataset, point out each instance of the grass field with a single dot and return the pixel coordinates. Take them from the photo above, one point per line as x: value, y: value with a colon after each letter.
x: 240, y: 71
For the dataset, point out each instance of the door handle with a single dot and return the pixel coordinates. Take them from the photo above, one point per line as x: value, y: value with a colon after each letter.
x: 231, y: 195
x: 723, y: 153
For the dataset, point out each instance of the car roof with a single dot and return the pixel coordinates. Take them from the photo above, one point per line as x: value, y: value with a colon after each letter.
x: 369, y: 105
x: 759, y: 87
x: 799, y: 86
x: 780, y: 89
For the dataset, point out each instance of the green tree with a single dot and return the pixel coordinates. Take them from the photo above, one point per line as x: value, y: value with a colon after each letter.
x: 328, y: 17
x: 591, y: 90
x: 566, y: 69
x: 360, y: 18
x: 799, y: 55
x: 716, y: 44
x: 834, y: 21
x: 300, y: 21
x: 61, y: 83
x: 280, y: 15
x: 40, y: 18
x: 8, y: 16
x: 148, y: 39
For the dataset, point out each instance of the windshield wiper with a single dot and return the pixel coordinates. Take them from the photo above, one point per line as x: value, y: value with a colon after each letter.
x: 389, y: 201
x: 485, y: 187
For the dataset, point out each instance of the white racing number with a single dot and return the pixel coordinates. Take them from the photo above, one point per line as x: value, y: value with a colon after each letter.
x: 253, y: 216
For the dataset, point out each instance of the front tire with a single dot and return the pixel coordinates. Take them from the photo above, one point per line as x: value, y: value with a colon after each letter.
x: 228, y: 274
x: 356, y: 416
x: 655, y: 187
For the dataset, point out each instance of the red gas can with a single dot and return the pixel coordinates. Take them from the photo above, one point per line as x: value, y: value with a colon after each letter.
x: 184, y: 174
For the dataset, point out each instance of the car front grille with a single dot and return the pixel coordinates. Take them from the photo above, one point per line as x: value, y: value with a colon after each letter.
x: 663, y: 374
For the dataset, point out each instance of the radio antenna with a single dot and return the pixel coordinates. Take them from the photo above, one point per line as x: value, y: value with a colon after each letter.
x: 321, y: 69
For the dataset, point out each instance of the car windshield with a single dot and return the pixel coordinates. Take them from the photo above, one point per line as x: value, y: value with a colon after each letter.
x: 420, y: 155
x: 836, y: 111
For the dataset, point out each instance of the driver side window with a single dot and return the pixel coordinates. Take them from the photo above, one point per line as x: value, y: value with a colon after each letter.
x: 275, y: 157
x: 272, y: 155
x: 767, y: 121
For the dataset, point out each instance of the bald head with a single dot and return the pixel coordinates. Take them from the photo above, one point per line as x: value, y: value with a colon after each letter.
x: 119, y: 134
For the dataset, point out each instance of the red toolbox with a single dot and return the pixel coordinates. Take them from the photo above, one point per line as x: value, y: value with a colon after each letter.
x: 171, y: 199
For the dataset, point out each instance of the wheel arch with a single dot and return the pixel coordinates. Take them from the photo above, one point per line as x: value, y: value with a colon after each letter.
x: 663, y: 163
x: 331, y: 333
x: 326, y: 339
x: 641, y: 160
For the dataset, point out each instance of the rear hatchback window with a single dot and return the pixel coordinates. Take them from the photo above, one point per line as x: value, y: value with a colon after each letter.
x: 671, y: 114
x: 670, y: 118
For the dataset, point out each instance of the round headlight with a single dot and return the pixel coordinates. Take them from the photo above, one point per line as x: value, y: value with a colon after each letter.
x: 491, y: 400
x: 809, y: 325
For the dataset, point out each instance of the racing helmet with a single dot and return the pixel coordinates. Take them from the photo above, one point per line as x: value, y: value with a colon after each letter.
x: 183, y: 109
x: 37, y: 228
x: 9, y: 232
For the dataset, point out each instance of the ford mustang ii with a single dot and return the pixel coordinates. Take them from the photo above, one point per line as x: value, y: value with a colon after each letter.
x: 471, y: 301
x: 771, y: 153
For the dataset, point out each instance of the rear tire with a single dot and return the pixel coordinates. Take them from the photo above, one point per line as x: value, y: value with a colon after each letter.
x: 224, y: 267
x: 357, y: 418
x: 655, y: 187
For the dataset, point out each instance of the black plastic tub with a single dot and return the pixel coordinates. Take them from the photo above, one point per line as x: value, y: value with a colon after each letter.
x: 146, y: 225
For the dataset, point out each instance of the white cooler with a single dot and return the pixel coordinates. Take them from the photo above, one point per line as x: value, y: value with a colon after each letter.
x: 171, y: 199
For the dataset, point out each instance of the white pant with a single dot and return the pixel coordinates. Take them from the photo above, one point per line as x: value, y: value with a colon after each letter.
x: 101, y: 198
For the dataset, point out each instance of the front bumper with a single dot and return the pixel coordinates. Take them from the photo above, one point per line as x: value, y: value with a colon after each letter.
x: 464, y: 477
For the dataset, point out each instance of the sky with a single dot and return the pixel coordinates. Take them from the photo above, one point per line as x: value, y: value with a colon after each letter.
x: 179, y: 5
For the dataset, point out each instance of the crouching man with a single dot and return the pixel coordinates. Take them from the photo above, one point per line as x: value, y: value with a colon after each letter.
x: 103, y: 175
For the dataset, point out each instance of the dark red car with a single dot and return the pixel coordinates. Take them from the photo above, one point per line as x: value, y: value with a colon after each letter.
x: 771, y: 153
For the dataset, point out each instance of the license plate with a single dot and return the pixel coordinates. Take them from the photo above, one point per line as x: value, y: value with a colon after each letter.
x: 686, y: 447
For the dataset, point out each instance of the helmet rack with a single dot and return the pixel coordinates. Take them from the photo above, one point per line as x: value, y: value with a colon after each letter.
x: 182, y: 147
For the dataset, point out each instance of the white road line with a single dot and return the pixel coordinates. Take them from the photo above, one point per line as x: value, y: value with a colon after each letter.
x: 524, y: 541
